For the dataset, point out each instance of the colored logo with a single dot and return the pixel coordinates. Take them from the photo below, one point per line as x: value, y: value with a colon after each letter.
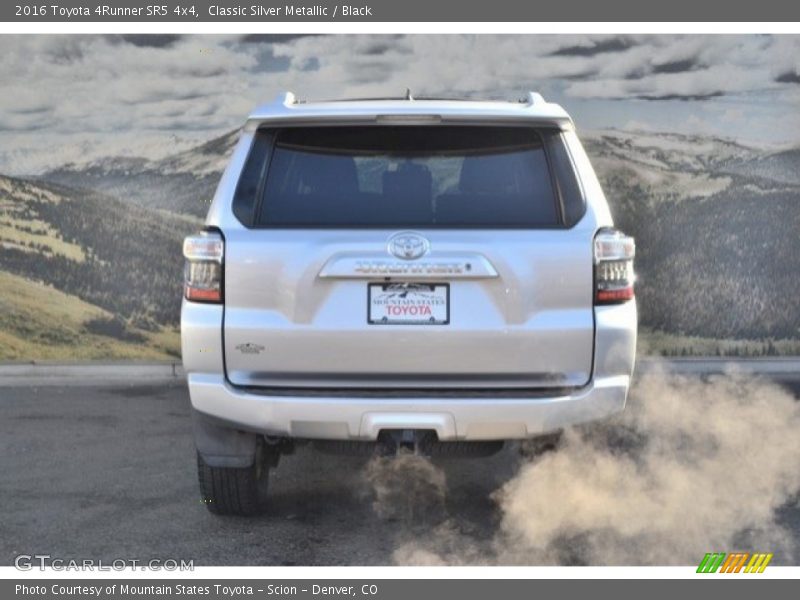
x: 736, y: 562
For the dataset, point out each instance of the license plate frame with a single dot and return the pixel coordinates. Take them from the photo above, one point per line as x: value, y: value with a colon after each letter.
x: 424, y: 295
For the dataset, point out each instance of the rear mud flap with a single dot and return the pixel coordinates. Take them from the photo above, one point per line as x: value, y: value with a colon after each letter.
x: 222, y: 446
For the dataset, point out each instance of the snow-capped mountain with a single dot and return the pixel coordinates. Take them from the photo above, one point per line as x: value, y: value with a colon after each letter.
x: 673, y: 151
x: 780, y: 167
x: 716, y: 221
x: 182, y: 182
x: 666, y: 166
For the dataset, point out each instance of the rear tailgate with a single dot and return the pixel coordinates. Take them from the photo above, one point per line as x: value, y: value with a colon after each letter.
x: 286, y: 324
x: 502, y: 287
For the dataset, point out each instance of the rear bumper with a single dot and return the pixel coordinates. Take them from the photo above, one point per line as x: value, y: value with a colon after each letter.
x: 358, y: 418
x: 341, y: 417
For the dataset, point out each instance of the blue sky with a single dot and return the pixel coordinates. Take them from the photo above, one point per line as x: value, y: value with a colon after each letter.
x: 77, y: 98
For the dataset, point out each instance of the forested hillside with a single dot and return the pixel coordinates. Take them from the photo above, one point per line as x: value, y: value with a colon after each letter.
x: 716, y: 225
x: 122, y: 259
x: 183, y: 183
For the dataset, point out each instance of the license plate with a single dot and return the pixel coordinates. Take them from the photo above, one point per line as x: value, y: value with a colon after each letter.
x: 408, y: 303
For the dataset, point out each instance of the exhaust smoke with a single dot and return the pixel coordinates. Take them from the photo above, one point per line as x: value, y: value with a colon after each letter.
x: 692, y: 466
x: 407, y: 487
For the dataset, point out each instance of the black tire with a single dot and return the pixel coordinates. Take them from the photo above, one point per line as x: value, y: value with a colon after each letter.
x: 234, y: 491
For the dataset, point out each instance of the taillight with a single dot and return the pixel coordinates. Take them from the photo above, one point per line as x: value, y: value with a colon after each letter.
x: 613, y: 267
x: 202, y: 275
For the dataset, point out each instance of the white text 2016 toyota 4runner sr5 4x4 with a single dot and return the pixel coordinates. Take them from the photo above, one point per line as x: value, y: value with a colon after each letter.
x: 377, y: 274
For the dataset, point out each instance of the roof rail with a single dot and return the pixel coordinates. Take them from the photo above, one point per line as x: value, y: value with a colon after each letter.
x: 534, y: 98
x: 286, y: 99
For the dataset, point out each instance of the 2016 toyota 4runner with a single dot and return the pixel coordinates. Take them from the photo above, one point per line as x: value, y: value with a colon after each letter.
x: 373, y: 274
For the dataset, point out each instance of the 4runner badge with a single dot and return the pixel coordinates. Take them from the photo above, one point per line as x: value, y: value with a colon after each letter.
x: 249, y: 348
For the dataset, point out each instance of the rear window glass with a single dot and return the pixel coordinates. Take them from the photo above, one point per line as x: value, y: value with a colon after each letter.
x: 408, y: 176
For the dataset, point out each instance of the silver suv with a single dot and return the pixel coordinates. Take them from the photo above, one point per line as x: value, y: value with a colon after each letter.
x: 441, y: 275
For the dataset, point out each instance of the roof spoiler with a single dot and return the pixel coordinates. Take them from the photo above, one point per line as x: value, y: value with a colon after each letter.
x: 288, y: 98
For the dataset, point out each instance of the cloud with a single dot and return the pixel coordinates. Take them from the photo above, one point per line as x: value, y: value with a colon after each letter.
x: 676, y: 66
x: 682, y: 97
x: 271, y: 38
x: 597, y: 67
x: 134, y: 85
x: 145, y: 40
x: 592, y: 48
x: 788, y: 77
x: 732, y: 115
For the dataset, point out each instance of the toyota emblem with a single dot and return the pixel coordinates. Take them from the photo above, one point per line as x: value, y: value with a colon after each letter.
x: 408, y: 245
